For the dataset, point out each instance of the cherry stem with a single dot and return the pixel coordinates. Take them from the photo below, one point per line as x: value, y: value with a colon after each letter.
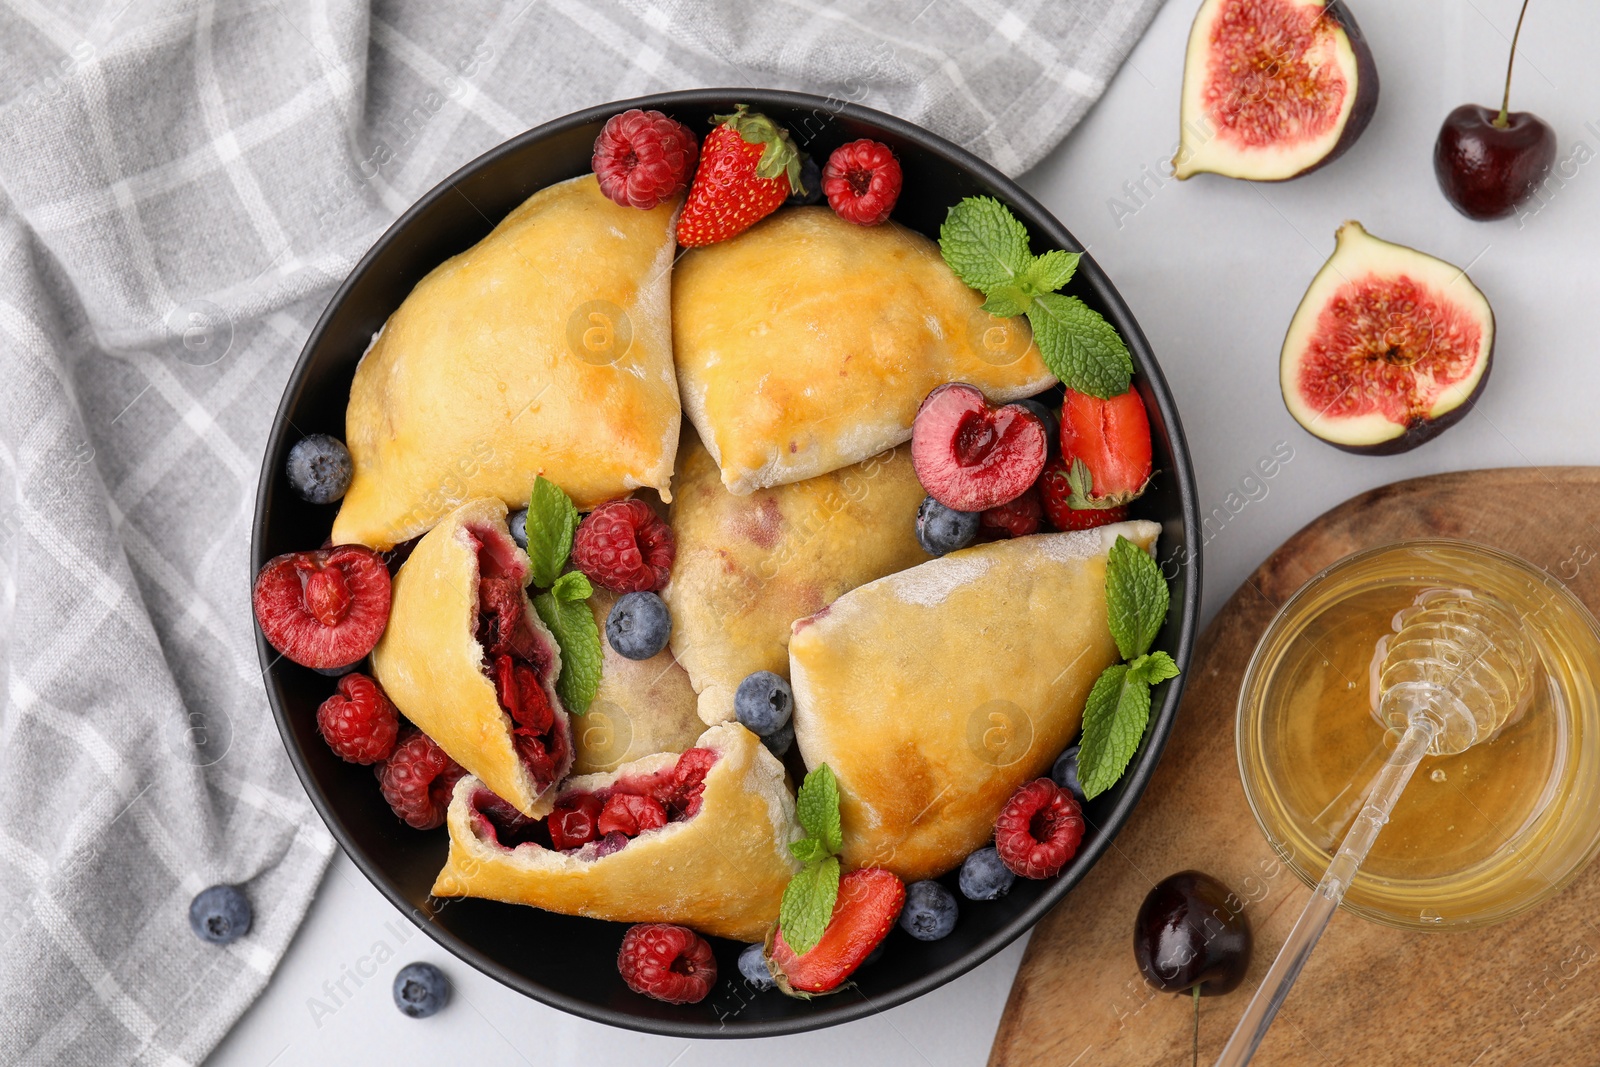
x: 1196, y: 991
x: 1501, y: 120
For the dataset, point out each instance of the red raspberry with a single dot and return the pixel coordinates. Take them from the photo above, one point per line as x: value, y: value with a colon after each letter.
x: 1063, y: 516
x: 625, y: 547
x: 1019, y: 518
x: 359, y: 722
x: 417, y: 780
x: 643, y: 158
x: 670, y: 963
x: 1038, y: 830
x: 326, y: 608
x: 631, y: 815
x: 572, y: 823
x: 862, y: 182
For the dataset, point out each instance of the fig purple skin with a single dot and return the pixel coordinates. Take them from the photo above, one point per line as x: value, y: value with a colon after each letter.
x: 1485, y: 170
x: 1191, y: 931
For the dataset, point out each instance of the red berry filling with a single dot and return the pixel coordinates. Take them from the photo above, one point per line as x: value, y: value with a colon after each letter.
x: 417, y: 780
x: 323, y: 609
x: 609, y: 817
x: 624, y: 546
x: 359, y: 722
x: 1039, y: 829
x: 667, y: 962
x: 517, y: 659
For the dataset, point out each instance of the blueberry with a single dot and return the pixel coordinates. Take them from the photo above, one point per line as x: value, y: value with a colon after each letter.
x: 984, y: 877
x: 220, y: 914
x: 639, y: 625
x: 517, y: 523
x: 319, y: 468
x: 1065, y: 772
x: 779, y: 743
x: 753, y: 965
x: 810, y: 180
x: 930, y: 911
x: 763, y: 702
x: 1052, y: 425
x: 941, y: 529
x: 420, y: 989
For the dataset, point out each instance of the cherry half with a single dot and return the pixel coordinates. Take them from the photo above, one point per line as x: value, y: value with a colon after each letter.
x: 1191, y: 936
x: 1487, y: 163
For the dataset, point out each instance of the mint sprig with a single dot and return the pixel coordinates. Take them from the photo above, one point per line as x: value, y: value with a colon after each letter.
x: 810, y: 895
x: 1118, y: 708
x: 552, y: 520
x: 987, y: 247
x: 565, y: 610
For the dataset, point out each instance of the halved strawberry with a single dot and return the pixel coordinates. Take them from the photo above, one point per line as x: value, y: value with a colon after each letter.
x: 1112, y: 440
x: 748, y: 167
x: 868, y: 904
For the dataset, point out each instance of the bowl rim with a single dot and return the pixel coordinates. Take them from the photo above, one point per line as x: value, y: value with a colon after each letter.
x: 832, y: 1011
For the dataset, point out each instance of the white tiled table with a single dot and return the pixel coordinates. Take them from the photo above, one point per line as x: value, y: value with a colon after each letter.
x: 1213, y: 269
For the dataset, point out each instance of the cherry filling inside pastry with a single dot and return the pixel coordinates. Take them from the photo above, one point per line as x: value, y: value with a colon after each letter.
x: 516, y: 658
x: 608, y: 818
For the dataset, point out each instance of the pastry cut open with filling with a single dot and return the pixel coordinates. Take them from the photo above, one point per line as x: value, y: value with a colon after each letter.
x: 466, y: 658
x: 698, y: 838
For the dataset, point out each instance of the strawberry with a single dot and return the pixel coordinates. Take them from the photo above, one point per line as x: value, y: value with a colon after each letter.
x: 1112, y: 439
x: 748, y: 167
x: 868, y: 904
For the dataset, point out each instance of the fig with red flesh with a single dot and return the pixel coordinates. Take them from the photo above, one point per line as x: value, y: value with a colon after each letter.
x: 1389, y: 347
x: 1273, y: 89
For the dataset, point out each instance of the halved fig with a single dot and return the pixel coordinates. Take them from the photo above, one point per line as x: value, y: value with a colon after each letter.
x: 1273, y: 89
x: 1389, y: 347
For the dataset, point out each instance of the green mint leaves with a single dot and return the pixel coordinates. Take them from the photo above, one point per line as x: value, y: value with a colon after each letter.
x: 987, y: 247
x: 552, y: 519
x: 809, y: 898
x: 1118, y: 708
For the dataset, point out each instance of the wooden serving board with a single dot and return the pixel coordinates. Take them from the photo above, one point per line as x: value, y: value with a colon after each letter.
x: 1526, y: 992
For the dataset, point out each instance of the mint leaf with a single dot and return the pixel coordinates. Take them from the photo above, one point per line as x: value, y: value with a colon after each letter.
x: 567, y: 614
x: 1079, y: 346
x: 551, y: 522
x: 809, y: 849
x: 816, y: 807
x: 984, y: 243
x: 1114, y: 718
x: 1153, y: 669
x: 1049, y: 272
x: 808, y: 904
x: 1006, y: 301
x: 1136, y: 598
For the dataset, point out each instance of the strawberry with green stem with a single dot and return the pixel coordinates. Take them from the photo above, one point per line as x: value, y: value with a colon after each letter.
x: 748, y: 167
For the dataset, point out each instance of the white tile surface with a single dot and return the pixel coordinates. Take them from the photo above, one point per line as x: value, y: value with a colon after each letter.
x: 1213, y: 269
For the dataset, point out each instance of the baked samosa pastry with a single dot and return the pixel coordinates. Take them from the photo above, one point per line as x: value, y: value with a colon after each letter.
x: 545, y: 348
x: 934, y: 693
x: 700, y: 839
x: 466, y: 658
x: 749, y: 566
x: 806, y: 343
x: 641, y: 708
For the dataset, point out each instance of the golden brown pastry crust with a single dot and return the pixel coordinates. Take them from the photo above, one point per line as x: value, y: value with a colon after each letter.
x: 934, y: 693
x: 722, y: 872
x: 431, y: 665
x: 748, y: 566
x: 806, y: 343
x: 642, y: 706
x: 494, y: 371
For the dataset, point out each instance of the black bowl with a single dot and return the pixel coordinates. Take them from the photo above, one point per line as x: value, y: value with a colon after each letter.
x: 570, y: 963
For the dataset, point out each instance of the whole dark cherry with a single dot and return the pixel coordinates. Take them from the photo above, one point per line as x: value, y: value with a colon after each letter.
x: 1191, y: 935
x: 1489, y: 162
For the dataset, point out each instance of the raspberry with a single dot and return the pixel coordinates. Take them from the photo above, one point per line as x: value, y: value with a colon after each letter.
x: 631, y: 815
x: 1054, y: 489
x: 323, y: 609
x: 670, y: 963
x: 643, y: 158
x: 572, y: 823
x: 417, y: 780
x: 359, y: 722
x: 862, y: 182
x: 1039, y: 829
x: 1019, y: 518
x: 624, y: 546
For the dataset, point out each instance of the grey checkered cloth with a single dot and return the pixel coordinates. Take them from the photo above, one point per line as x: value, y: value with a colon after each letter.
x: 181, y: 188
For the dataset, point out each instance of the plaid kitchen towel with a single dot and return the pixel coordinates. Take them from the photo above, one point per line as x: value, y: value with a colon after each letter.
x: 181, y: 187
